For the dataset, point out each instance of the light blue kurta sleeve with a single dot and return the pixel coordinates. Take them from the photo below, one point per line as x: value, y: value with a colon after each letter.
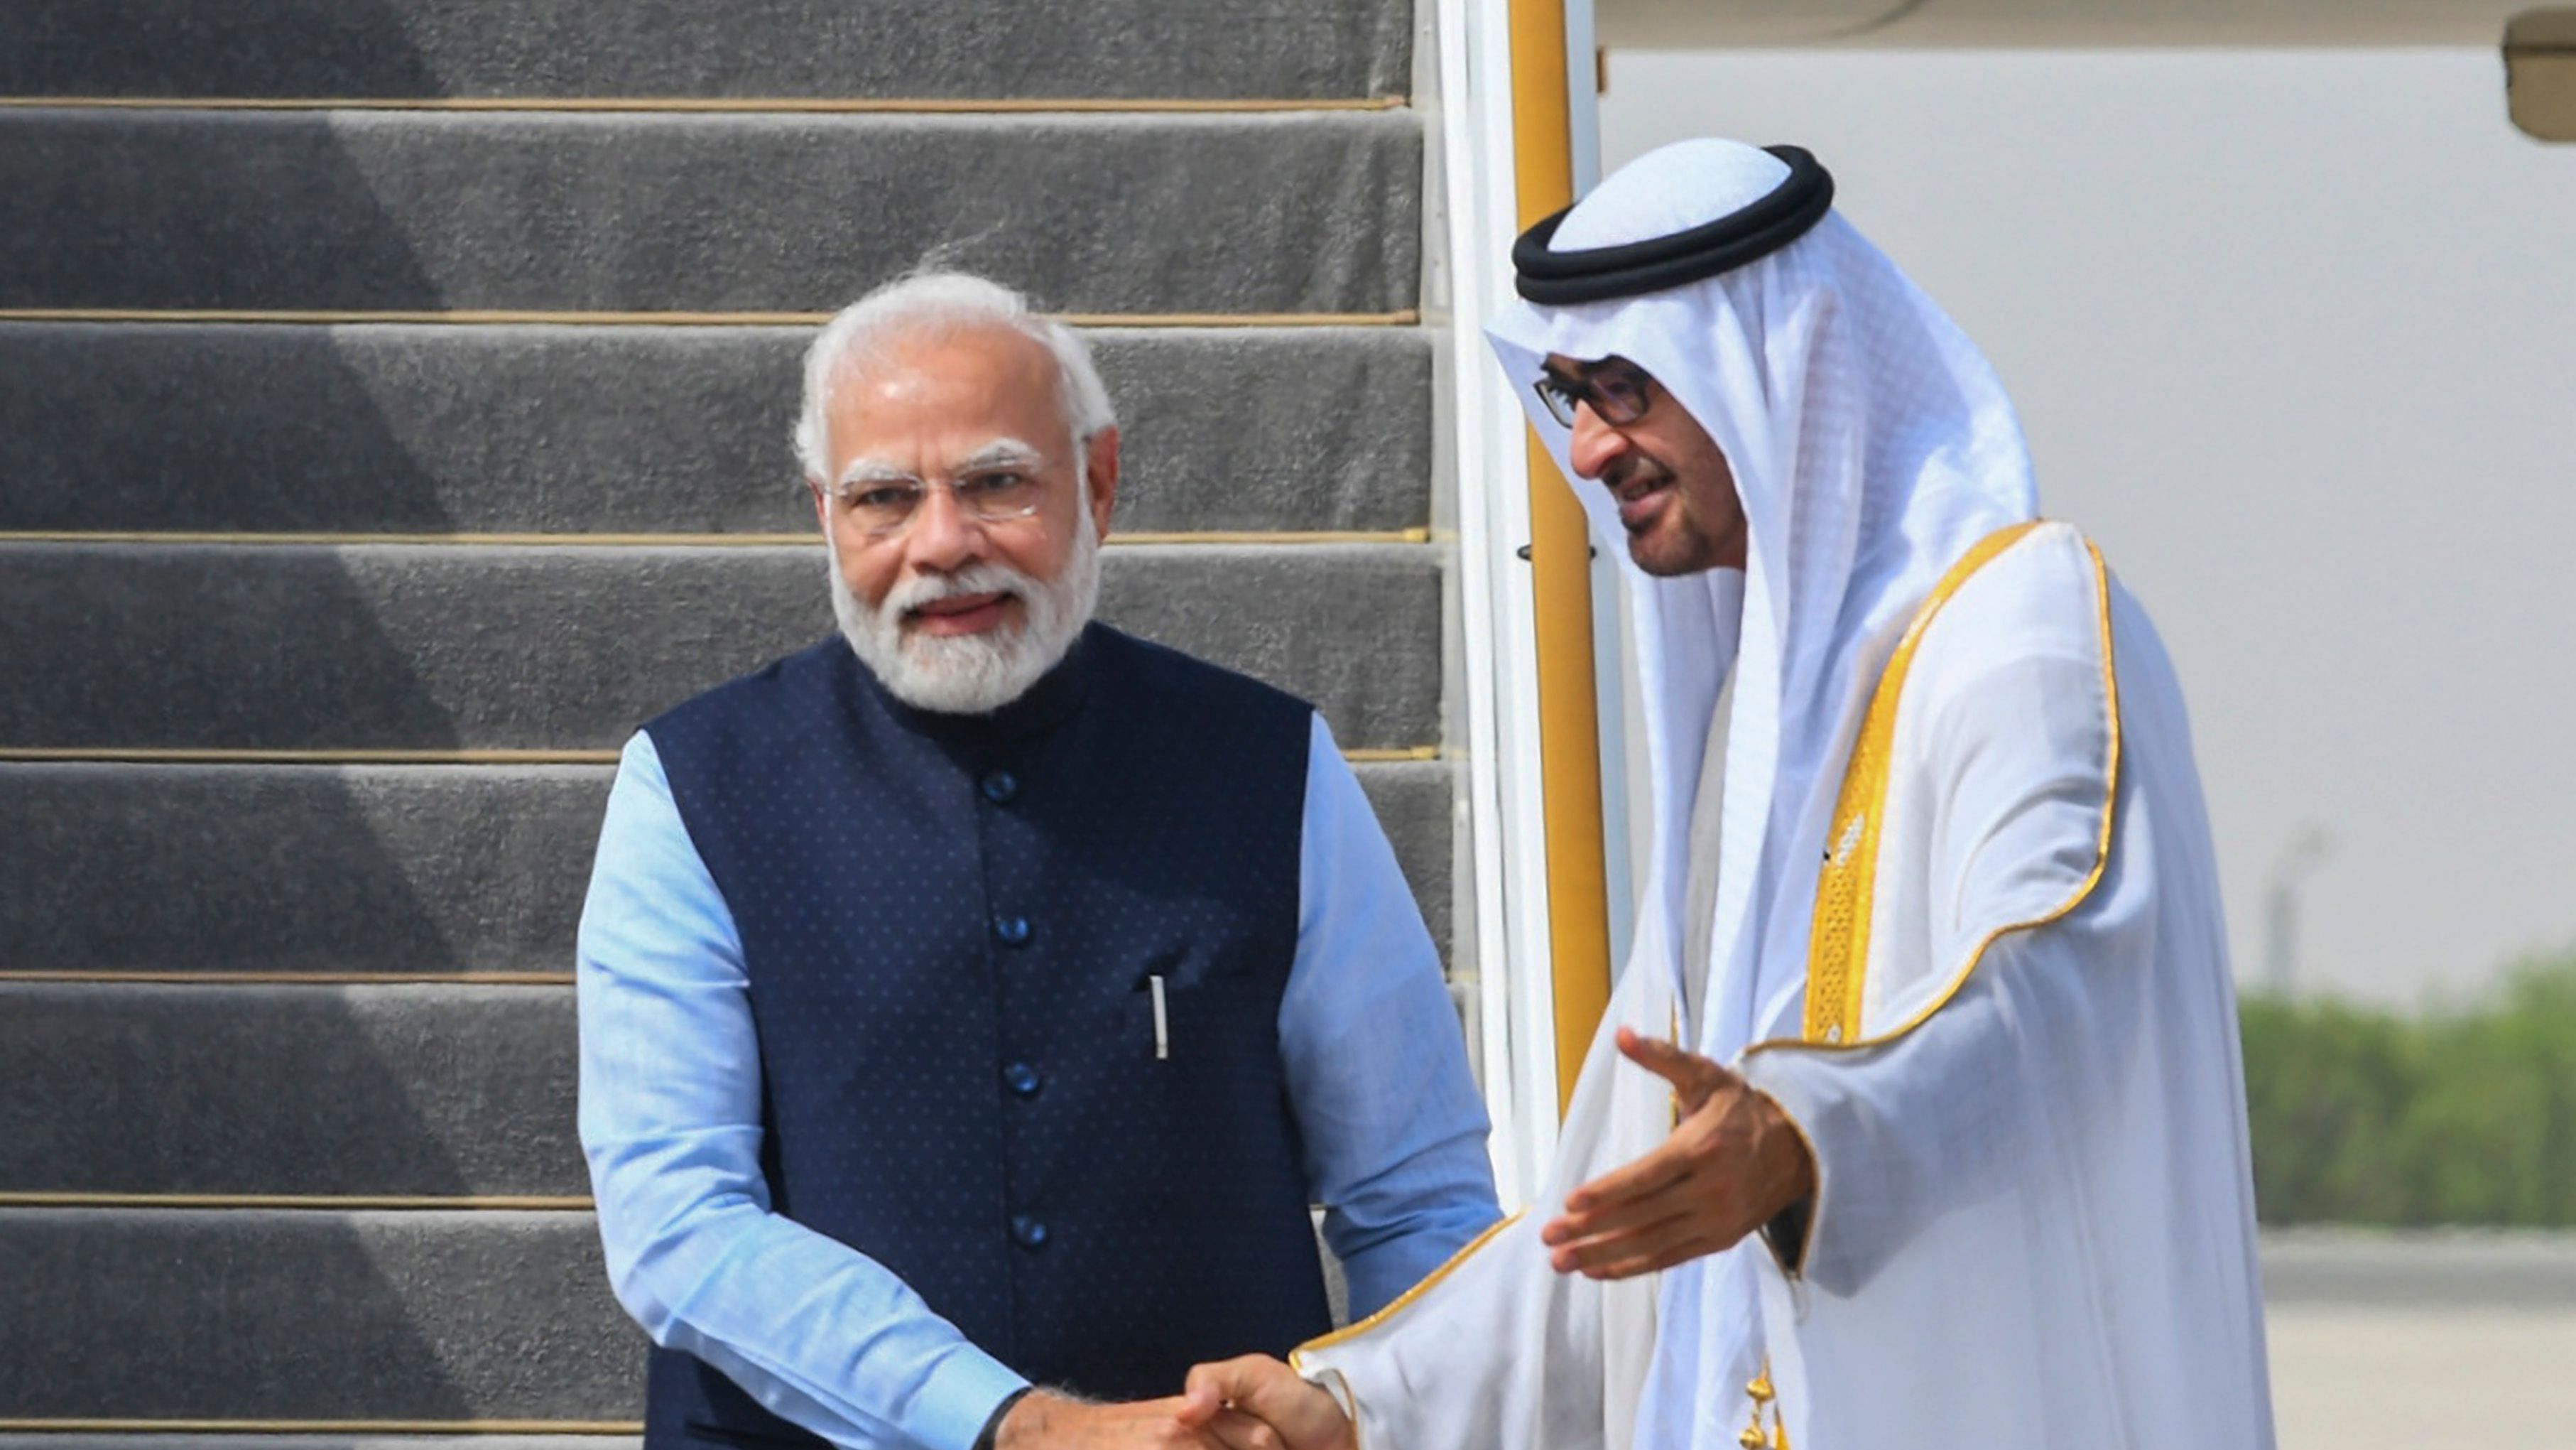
x: 670, y: 1121
x: 1376, y: 1061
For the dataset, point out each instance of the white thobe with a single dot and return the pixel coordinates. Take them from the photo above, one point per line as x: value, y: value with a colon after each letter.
x: 2033, y: 1221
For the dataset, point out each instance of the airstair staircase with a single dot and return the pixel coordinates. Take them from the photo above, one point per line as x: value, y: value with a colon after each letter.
x: 394, y: 400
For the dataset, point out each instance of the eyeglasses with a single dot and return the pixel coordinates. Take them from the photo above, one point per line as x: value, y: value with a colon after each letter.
x: 885, y: 504
x: 1617, y: 390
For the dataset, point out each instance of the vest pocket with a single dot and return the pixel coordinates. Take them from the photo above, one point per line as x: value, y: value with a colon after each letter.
x: 1220, y: 1025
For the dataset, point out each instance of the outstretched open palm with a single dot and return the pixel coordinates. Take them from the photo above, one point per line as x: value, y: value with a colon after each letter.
x: 1733, y: 1162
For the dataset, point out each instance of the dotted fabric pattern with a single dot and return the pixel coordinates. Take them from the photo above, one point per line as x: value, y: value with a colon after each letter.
x: 950, y: 924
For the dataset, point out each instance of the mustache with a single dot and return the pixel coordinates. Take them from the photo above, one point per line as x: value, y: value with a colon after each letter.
x: 919, y: 590
x: 1634, y: 468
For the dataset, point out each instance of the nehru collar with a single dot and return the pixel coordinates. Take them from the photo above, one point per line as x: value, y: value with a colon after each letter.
x: 1053, y: 700
x: 1599, y: 274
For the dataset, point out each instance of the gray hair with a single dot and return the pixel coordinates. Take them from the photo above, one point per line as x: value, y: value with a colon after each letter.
x: 938, y: 304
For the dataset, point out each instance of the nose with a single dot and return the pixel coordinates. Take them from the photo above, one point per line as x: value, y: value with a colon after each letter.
x: 1596, y: 444
x: 941, y: 539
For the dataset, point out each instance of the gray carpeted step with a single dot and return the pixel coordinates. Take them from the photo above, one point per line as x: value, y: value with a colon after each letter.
x: 238, y: 1441
x: 349, y: 869
x: 447, y: 646
x: 973, y: 48
x: 379, y: 1091
x: 406, y: 1089
x: 227, y: 1440
x: 295, y: 868
x: 407, y: 211
x: 434, y: 429
x: 256, y: 1314
x: 1416, y: 804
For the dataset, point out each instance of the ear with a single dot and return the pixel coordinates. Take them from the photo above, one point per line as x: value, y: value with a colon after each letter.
x: 822, y: 506
x: 1101, y: 469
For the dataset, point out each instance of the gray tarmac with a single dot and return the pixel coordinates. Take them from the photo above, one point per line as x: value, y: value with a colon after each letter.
x: 2421, y: 1339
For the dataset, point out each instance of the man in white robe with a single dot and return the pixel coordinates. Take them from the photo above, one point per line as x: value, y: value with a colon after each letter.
x: 1958, y: 1158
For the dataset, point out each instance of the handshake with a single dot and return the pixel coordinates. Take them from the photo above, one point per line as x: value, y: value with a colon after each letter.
x: 1252, y: 1403
x: 1733, y: 1163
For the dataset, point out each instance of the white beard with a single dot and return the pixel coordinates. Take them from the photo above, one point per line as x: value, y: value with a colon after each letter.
x: 973, y: 674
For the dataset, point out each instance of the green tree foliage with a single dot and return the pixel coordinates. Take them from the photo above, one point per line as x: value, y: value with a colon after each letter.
x: 2464, y: 1114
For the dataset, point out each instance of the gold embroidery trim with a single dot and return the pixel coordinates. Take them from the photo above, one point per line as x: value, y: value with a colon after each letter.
x: 1430, y: 1281
x: 1404, y: 1300
x: 1838, y: 940
x: 1837, y: 951
x: 1852, y: 1041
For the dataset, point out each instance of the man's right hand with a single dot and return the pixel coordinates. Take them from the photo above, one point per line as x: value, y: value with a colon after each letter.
x: 1041, y: 1421
x: 1258, y: 1403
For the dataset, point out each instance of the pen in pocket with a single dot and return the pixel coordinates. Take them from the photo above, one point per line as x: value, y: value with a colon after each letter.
x: 1162, y: 1023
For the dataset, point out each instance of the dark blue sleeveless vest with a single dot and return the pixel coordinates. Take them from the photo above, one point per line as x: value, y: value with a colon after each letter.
x: 950, y: 925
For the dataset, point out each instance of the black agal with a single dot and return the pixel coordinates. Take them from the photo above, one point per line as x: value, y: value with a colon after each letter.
x: 1600, y: 274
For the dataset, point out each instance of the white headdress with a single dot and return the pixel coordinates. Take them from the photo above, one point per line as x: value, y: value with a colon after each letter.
x: 1871, y: 444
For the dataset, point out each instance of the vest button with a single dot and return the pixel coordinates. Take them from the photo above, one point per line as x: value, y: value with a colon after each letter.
x: 1028, y: 1232
x: 1023, y: 1079
x: 1001, y: 787
x: 1013, y: 930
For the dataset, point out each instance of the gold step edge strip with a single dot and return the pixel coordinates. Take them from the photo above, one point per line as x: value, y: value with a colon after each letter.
x: 731, y: 105
x: 494, y: 317
x: 253, y: 539
x: 36, y: 976
x: 349, y: 1202
x: 321, y: 1427
x: 190, y: 755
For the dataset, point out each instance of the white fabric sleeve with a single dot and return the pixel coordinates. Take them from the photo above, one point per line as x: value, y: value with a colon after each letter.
x: 1496, y: 1350
x: 1925, y: 1123
x: 670, y: 1120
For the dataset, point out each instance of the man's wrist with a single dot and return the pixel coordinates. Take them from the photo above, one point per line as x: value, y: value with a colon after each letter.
x: 1791, y: 1223
x: 991, y: 1438
x: 1792, y: 1157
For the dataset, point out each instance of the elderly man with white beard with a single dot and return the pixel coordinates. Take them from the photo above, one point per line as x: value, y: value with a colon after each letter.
x: 980, y: 998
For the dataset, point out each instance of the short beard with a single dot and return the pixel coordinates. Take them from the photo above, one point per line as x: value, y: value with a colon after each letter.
x: 973, y: 674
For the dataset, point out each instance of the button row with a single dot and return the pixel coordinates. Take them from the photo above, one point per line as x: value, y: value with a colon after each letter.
x: 1001, y: 788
